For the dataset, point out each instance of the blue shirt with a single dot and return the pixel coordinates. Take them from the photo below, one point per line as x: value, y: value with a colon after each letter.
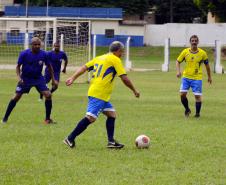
x: 55, y: 60
x: 32, y: 63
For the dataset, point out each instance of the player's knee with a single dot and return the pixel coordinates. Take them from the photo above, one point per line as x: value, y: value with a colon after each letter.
x: 90, y: 118
x: 183, y: 95
x: 48, y: 95
x: 17, y: 97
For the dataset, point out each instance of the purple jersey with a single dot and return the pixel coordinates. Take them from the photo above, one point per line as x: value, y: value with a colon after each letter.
x: 32, y: 63
x: 55, y: 60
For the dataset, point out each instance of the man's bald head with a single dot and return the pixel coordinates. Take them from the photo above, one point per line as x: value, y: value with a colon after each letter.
x: 35, y: 44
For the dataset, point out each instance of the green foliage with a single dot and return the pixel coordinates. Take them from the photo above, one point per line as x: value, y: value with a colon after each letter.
x: 183, y: 11
x: 139, y: 7
x: 216, y: 7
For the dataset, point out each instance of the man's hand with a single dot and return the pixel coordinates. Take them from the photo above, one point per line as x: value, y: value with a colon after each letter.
x: 54, y: 83
x: 20, y: 81
x: 209, y: 80
x: 178, y: 74
x: 64, y: 70
x: 137, y: 94
x: 69, y: 81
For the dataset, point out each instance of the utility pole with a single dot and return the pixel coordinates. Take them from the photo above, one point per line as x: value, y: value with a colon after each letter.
x: 171, y: 11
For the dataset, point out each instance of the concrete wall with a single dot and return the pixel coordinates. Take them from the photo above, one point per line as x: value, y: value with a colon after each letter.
x: 179, y: 34
x: 121, y: 32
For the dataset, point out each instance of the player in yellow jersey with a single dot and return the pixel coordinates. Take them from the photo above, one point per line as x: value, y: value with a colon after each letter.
x: 105, y: 68
x: 192, y: 74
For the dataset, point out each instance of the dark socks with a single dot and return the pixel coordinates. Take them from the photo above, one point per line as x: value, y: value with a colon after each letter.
x: 184, y: 101
x: 53, y: 89
x: 48, y: 105
x: 110, y: 126
x: 81, y: 126
x: 198, y: 106
x: 9, y: 109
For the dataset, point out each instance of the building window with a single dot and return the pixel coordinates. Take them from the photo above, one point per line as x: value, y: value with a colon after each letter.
x: 14, y: 32
x: 109, y: 33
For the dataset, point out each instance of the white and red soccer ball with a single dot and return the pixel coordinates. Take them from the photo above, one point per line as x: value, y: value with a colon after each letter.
x: 142, y: 141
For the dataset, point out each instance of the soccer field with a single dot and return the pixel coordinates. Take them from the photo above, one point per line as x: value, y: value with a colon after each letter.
x: 183, y: 151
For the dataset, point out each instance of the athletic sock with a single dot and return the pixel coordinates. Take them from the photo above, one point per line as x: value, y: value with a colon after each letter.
x: 184, y: 101
x: 53, y: 89
x: 9, y: 109
x: 110, y: 126
x: 81, y: 126
x: 48, y: 105
x: 198, y: 106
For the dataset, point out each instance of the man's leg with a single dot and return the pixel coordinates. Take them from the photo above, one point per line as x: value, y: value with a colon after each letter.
x: 198, y: 105
x: 184, y: 102
x: 48, y: 106
x: 185, y: 85
x: 11, y: 106
x: 81, y: 126
x: 95, y: 106
x: 197, y: 90
x: 110, y: 127
x: 55, y: 87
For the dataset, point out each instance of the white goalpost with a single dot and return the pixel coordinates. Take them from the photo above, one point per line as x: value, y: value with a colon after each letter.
x: 73, y: 35
x: 218, y: 68
x: 165, y: 66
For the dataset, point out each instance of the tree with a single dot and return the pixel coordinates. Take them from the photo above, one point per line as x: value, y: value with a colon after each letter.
x: 139, y: 7
x: 178, y: 11
x: 216, y: 7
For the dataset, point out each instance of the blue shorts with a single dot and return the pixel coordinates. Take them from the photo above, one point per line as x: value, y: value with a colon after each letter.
x: 196, y: 86
x: 47, y: 77
x: 25, y: 87
x: 96, y: 106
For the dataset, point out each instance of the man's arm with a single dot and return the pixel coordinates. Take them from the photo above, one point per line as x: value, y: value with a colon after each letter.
x: 50, y: 68
x: 65, y: 66
x: 77, y: 73
x: 65, y: 63
x: 18, y: 73
x: 129, y: 84
x: 178, y: 69
x: 208, y: 73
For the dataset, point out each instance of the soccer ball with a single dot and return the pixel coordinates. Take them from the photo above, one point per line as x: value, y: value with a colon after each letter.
x: 142, y: 141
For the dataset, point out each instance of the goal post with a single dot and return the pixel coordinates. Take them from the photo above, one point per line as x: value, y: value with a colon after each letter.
x: 165, y: 66
x: 73, y: 34
x: 218, y: 68
x: 16, y: 34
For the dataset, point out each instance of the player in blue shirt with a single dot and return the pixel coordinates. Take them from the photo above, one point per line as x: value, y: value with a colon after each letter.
x: 55, y: 58
x: 29, y: 73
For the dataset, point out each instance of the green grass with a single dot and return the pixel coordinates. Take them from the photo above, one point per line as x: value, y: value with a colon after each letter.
x: 183, y: 151
x: 141, y: 57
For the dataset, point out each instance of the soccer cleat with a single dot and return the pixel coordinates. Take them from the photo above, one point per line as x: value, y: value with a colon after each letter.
x: 197, y: 115
x: 49, y: 121
x: 71, y: 144
x: 187, y: 113
x: 115, y: 145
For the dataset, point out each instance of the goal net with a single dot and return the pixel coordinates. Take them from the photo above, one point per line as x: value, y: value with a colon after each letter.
x: 16, y: 34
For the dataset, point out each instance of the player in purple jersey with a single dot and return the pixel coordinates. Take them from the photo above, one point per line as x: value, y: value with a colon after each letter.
x: 55, y: 58
x: 29, y: 73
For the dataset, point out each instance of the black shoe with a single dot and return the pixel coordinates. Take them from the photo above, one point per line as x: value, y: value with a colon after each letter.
x: 4, y: 121
x: 71, y: 144
x: 197, y: 115
x: 187, y: 113
x: 114, y: 144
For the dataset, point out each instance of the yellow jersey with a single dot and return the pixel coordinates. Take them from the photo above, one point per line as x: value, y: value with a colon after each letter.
x: 104, y: 67
x: 194, y: 60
